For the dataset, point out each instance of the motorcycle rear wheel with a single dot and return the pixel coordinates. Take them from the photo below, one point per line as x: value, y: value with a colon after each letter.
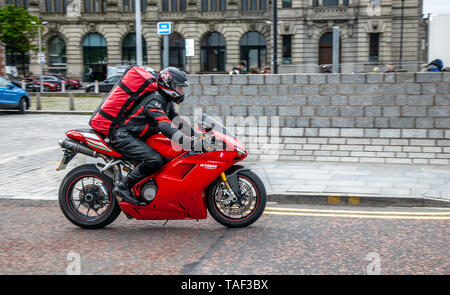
x: 243, y: 212
x: 86, y: 198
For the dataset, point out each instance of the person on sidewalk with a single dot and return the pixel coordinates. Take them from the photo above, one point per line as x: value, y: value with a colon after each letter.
x: 239, y: 69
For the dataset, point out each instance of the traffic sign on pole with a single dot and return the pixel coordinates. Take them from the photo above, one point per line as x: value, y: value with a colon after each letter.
x: 164, y: 28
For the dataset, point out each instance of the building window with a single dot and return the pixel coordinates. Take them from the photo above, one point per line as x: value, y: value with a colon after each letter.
x: 176, y: 51
x: 129, y: 5
x: 253, y: 5
x: 13, y: 58
x: 346, y: 2
x: 18, y: 3
x: 95, y: 55
x: 315, y: 3
x: 173, y: 5
x: 287, y: 49
x: 57, y: 52
x: 287, y: 4
x: 213, y: 5
x: 212, y: 53
x: 129, y: 49
x: 94, y: 5
x: 330, y: 2
x: 374, y: 47
x: 253, y: 50
x: 326, y: 49
x: 56, y: 5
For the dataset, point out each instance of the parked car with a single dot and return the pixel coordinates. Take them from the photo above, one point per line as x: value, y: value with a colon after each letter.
x: 52, y: 79
x: 70, y: 83
x: 104, y: 86
x: 33, y: 84
x: 13, y: 97
x: 15, y: 80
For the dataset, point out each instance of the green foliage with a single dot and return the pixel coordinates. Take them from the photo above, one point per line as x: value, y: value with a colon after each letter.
x: 16, y: 30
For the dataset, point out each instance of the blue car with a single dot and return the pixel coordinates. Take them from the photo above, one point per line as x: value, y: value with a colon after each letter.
x: 13, y: 97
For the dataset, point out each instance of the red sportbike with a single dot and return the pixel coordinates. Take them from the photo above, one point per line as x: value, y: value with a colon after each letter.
x: 186, y: 187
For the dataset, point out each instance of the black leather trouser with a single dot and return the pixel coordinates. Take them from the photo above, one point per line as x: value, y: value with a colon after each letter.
x: 136, y: 151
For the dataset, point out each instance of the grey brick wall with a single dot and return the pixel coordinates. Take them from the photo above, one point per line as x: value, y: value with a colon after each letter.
x: 379, y: 118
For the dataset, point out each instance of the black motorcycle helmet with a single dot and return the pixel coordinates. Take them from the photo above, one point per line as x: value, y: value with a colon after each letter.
x: 174, y: 84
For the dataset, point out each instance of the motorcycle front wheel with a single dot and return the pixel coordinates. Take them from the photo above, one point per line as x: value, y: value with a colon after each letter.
x: 243, y: 211
x: 86, y: 198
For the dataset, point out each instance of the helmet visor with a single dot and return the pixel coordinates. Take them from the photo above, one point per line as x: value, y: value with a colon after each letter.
x: 183, y: 89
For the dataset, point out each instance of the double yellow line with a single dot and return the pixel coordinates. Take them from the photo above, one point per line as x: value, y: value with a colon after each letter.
x: 424, y: 215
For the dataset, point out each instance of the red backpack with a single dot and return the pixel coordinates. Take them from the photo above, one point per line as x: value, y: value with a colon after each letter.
x: 134, y: 84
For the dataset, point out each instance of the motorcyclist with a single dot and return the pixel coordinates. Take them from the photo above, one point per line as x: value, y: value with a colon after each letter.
x: 153, y: 114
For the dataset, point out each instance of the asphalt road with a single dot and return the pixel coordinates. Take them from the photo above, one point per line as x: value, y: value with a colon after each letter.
x: 288, y: 239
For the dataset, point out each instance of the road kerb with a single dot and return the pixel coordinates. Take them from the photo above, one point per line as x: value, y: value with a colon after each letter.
x: 354, y: 200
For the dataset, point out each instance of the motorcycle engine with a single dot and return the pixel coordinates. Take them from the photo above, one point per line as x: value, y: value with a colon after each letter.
x: 148, y: 191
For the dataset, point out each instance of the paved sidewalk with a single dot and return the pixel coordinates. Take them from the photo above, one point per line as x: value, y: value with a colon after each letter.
x: 355, y: 179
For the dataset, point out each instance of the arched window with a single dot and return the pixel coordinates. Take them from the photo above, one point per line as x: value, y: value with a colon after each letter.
x: 129, y: 49
x: 212, y: 53
x: 326, y: 49
x: 177, y: 50
x: 95, y: 55
x: 253, y: 49
x: 57, y: 52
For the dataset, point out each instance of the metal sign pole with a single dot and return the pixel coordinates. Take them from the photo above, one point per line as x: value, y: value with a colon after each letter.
x: 275, y: 37
x: 138, y: 33
x: 165, y: 29
x: 40, y: 60
x: 335, y: 49
x: 165, y: 51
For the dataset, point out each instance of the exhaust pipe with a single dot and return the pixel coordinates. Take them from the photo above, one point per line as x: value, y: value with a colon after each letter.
x: 77, y: 148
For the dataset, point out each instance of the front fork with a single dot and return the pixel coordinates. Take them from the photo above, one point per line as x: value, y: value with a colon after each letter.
x: 231, y: 195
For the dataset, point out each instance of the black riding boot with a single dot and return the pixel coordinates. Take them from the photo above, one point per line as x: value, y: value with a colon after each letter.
x: 123, y: 189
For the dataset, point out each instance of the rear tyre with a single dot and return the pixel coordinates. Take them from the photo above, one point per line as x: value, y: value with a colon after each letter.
x: 86, y: 198
x: 242, y: 212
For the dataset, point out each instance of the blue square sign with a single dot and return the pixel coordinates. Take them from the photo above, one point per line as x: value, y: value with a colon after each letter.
x: 164, y: 28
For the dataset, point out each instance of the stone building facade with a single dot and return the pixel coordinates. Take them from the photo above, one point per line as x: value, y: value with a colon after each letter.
x: 83, y: 33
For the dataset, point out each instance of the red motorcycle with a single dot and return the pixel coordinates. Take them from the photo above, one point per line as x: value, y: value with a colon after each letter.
x: 186, y: 187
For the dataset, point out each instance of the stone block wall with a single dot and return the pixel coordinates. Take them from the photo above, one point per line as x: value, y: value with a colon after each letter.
x: 376, y: 118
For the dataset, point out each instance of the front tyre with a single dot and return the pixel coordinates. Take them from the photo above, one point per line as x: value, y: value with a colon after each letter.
x: 86, y: 198
x: 22, y: 105
x: 241, y: 212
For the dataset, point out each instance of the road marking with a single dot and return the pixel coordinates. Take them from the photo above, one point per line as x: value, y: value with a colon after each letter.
x: 359, y: 214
